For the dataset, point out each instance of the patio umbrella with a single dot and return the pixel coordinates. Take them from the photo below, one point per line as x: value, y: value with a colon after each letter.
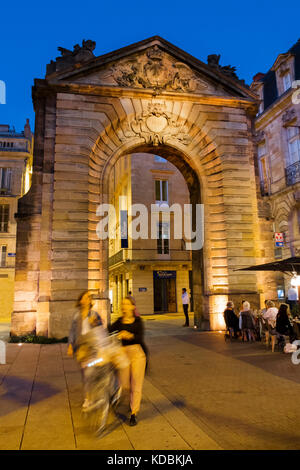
x: 289, y: 265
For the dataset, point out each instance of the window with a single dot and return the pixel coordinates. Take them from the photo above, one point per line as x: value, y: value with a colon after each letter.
x: 5, y: 179
x: 117, y: 290
x: 287, y: 82
x: 163, y: 247
x: 121, y: 286
x: 161, y: 191
x: 263, y: 168
x: 261, y: 150
x: 4, y: 216
x: 3, y: 256
x: 157, y: 158
x: 293, y: 144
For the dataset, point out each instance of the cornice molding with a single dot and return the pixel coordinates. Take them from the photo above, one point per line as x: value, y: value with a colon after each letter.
x: 273, y: 111
x: 43, y: 88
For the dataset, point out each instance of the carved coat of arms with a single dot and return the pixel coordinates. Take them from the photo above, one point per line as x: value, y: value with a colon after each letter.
x: 156, y: 126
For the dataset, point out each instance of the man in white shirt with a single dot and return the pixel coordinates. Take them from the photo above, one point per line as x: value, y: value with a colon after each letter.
x: 292, y: 297
x: 185, y: 304
x: 292, y: 293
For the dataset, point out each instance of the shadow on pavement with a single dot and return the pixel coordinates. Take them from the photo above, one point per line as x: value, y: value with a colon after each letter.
x: 271, y: 436
x: 256, y: 354
x: 18, y: 393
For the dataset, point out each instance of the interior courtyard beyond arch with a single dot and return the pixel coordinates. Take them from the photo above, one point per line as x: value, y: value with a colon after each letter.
x: 154, y: 98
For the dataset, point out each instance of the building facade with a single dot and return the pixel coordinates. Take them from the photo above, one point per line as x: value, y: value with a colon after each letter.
x: 277, y: 127
x: 154, y: 270
x: 16, y: 154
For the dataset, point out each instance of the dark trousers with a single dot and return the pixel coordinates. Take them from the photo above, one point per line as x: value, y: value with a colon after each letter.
x: 185, y: 310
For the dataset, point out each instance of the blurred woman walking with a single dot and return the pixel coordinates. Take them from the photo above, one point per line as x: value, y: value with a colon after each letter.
x: 131, y: 332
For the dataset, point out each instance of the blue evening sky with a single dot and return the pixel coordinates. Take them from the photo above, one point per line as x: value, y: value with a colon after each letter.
x: 248, y: 35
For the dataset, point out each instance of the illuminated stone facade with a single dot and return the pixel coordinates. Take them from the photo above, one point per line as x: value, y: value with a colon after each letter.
x: 150, y: 97
x: 278, y: 154
x: 154, y: 270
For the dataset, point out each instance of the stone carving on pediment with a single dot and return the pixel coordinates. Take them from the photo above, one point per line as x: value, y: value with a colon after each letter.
x: 213, y: 62
x: 156, y: 126
x: 69, y: 58
x: 289, y: 116
x: 154, y: 69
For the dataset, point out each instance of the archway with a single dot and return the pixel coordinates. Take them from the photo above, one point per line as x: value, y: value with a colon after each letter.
x: 90, y: 114
x: 190, y: 178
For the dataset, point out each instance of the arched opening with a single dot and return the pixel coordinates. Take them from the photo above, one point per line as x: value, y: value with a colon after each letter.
x: 157, y: 265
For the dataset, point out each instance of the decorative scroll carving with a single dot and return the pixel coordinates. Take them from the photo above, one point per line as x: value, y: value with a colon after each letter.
x: 156, y: 126
x: 259, y: 136
x: 155, y: 70
x: 289, y: 116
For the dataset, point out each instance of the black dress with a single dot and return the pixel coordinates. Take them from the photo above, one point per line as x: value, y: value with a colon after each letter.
x: 231, y: 319
x: 283, y: 325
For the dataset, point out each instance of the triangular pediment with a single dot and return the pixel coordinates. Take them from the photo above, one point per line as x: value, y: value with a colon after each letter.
x: 150, y: 64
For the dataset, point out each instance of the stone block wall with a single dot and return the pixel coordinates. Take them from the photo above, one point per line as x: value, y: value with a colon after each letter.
x: 80, y: 135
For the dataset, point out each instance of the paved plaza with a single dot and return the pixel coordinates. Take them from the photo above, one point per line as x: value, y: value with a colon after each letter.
x: 200, y: 393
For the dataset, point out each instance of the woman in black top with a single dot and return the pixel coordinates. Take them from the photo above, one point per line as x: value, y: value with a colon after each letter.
x: 131, y: 332
x: 231, y: 320
x: 283, y: 325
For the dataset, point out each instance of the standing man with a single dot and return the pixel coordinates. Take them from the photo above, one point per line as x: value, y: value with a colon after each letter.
x: 185, y: 304
x: 292, y: 297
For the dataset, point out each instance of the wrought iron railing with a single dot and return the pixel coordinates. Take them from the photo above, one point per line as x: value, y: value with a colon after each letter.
x: 148, y: 254
x: 292, y: 173
x: 14, y: 149
x: 116, y: 258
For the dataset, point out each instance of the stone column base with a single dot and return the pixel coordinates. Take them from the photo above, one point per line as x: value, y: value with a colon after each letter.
x: 23, y: 323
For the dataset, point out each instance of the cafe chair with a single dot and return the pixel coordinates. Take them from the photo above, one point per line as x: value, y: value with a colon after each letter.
x: 271, y: 332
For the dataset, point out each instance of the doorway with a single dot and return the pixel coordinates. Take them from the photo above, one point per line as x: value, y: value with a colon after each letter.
x: 164, y: 288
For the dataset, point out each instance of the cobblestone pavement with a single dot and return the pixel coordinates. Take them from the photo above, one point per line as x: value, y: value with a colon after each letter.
x: 200, y: 393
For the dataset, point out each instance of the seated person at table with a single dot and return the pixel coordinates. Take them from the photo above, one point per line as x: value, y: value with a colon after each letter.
x: 283, y: 325
x: 231, y: 320
x: 271, y: 313
x: 247, y: 323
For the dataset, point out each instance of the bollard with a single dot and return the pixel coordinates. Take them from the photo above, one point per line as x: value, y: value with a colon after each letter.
x: 2, y: 352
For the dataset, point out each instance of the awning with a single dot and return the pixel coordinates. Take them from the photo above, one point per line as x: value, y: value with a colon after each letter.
x: 288, y: 265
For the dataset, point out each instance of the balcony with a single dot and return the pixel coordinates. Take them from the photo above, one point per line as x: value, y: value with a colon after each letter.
x: 14, y: 149
x: 116, y: 258
x: 150, y: 255
x: 292, y: 173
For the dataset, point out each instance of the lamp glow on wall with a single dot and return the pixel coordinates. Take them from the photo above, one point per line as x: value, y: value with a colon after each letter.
x: 219, y: 305
x: 295, y: 281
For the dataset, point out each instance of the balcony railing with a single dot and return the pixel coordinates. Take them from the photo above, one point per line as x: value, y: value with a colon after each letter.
x: 14, y: 149
x: 142, y: 255
x: 7, y: 265
x: 117, y: 258
x: 292, y: 173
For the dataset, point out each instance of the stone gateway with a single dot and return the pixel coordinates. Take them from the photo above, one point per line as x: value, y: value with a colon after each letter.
x: 91, y: 111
